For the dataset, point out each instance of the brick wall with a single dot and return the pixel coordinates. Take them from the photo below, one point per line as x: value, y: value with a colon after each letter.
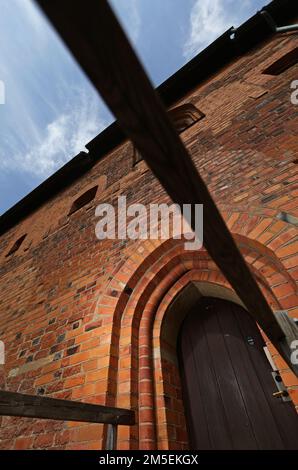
x: 83, y: 319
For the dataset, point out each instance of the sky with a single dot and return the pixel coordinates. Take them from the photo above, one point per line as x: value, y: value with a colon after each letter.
x: 49, y: 110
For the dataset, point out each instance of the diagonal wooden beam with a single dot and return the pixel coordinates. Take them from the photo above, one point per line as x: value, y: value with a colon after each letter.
x: 97, y: 41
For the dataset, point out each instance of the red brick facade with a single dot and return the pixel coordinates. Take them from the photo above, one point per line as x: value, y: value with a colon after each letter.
x: 85, y: 319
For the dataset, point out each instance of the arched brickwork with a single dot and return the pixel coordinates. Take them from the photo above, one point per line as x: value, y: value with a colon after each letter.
x: 138, y: 296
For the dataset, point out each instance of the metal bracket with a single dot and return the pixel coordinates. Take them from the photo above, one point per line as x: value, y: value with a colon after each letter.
x: 282, y: 390
x: 280, y: 386
x: 111, y: 441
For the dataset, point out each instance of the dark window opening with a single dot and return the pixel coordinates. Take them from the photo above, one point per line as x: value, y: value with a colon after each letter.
x: 16, y: 245
x: 282, y: 64
x: 84, y: 199
x: 182, y: 118
x: 185, y: 116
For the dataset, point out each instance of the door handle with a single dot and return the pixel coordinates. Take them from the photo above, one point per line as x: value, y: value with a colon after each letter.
x: 280, y: 394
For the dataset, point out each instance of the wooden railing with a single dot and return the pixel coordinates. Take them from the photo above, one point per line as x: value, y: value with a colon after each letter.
x: 31, y: 406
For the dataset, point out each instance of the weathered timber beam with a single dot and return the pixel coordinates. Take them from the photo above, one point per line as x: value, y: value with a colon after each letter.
x: 97, y: 41
x: 30, y: 406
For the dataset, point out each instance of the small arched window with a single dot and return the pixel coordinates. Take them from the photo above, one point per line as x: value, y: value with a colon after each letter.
x: 182, y: 117
x: 16, y: 245
x: 185, y: 116
x: 84, y: 199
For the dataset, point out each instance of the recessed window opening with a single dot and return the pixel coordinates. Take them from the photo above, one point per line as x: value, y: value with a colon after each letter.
x: 185, y: 116
x: 83, y: 200
x: 283, y: 63
x: 182, y: 118
x: 16, y: 245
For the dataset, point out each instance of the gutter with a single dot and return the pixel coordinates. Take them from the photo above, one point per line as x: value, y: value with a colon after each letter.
x: 274, y: 27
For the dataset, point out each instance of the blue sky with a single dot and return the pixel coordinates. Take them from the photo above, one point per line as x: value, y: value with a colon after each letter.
x: 51, y: 110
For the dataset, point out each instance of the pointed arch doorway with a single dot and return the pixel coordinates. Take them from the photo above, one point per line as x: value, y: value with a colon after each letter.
x: 227, y: 383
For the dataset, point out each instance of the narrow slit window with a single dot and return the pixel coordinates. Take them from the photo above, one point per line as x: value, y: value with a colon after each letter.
x: 16, y: 245
x: 182, y: 118
x: 137, y: 157
x: 283, y: 63
x: 83, y: 200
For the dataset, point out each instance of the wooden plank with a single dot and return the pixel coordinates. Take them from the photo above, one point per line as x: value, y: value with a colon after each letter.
x: 229, y: 393
x: 237, y: 422
x: 202, y: 402
x: 97, y: 41
x: 284, y: 412
x: 230, y: 316
x: 30, y: 406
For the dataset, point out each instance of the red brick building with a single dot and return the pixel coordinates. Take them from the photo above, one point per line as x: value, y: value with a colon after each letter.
x: 108, y: 321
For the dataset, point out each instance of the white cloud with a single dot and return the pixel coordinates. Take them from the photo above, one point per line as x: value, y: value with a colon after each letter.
x: 61, y: 140
x: 51, y: 111
x: 209, y: 19
x: 33, y: 15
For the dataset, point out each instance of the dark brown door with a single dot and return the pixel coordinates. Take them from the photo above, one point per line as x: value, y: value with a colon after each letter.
x: 227, y: 382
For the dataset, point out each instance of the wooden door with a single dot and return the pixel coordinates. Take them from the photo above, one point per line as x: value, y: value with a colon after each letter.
x: 227, y: 383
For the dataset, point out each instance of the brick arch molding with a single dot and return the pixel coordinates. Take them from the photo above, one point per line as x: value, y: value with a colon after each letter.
x: 140, y: 294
